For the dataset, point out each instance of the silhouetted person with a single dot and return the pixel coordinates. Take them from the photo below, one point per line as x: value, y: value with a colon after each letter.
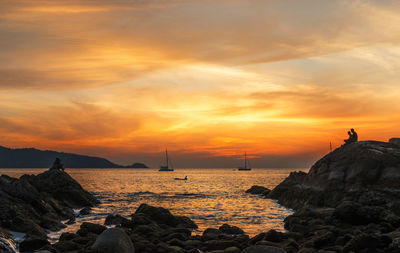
x: 354, y: 136
x: 349, y: 139
x: 57, y: 165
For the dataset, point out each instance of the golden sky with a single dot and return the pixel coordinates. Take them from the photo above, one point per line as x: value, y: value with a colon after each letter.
x: 208, y: 79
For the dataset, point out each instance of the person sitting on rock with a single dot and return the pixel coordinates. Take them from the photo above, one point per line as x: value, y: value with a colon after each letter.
x: 349, y: 139
x: 354, y: 135
x: 57, y: 165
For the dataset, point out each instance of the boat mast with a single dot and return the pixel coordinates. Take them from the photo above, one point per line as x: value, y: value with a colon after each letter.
x: 166, y: 155
x: 245, y: 160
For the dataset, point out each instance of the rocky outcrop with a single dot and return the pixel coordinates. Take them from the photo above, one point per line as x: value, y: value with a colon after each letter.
x: 347, y: 202
x: 261, y: 190
x: 34, y: 204
x: 365, y: 171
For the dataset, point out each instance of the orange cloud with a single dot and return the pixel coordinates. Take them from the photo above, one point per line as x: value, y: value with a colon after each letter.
x: 210, y: 79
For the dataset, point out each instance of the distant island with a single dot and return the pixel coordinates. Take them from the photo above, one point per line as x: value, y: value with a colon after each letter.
x: 35, y: 158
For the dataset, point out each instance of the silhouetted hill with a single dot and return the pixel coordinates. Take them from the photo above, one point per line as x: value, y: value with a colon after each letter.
x: 34, y: 158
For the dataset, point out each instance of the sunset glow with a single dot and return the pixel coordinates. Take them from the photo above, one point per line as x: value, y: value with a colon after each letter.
x: 207, y: 79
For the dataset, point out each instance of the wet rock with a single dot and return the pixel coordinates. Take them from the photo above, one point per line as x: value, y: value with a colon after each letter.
x: 176, y: 242
x: 256, y: 189
x: 395, y: 244
x: 66, y: 246
x: 67, y: 236
x: 186, y: 222
x: 115, y: 219
x: 163, y: 216
x: 257, y: 238
x: 361, y: 242
x: 307, y: 250
x: 32, y: 244
x: 232, y: 250
x: 185, y: 231
x: 211, y: 234
x: 85, y: 211
x: 262, y: 249
x: 352, y: 213
x: 147, y: 230
x: 274, y: 236
x: 220, y: 244
x: 7, y: 244
x: 324, y: 239
x: 179, y: 236
x: 93, y: 228
x: 71, y: 221
x: 192, y: 244
x: 232, y: 230
x: 267, y: 243
x: 113, y: 240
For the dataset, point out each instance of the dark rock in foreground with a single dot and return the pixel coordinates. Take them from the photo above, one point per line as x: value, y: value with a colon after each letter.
x: 163, y: 216
x: 155, y: 229
x: 34, y: 204
x: 113, y: 240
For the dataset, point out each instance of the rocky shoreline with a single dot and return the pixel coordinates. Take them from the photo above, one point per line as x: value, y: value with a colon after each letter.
x: 347, y: 202
x: 35, y: 205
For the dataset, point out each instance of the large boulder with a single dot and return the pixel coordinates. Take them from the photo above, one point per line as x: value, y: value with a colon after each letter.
x: 63, y: 187
x: 113, y: 240
x: 115, y: 219
x: 356, y: 171
x: 162, y: 216
x: 232, y: 230
x: 32, y: 244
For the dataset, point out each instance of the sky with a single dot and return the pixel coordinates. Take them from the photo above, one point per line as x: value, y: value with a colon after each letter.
x: 209, y: 80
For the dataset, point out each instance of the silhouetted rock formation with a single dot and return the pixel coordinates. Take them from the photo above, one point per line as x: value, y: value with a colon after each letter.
x: 33, y: 204
x: 365, y: 171
x: 348, y: 202
x: 34, y: 158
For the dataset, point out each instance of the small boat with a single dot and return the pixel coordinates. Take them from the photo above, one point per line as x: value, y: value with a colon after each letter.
x: 245, y: 164
x: 177, y: 178
x: 166, y: 167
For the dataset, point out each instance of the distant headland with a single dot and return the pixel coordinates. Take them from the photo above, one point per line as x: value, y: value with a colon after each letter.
x: 35, y: 158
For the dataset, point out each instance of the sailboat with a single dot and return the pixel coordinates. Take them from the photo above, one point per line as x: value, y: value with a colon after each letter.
x: 245, y: 164
x: 166, y: 168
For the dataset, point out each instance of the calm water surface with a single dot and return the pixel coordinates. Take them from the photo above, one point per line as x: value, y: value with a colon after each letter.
x: 210, y: 197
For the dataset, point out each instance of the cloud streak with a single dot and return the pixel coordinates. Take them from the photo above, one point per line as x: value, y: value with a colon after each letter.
x: 205, y: 78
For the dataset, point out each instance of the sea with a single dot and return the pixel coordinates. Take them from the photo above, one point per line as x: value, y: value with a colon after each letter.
x: 210, y: 197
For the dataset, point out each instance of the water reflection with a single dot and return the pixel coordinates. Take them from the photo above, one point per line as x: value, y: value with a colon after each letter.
x: 210, y: 197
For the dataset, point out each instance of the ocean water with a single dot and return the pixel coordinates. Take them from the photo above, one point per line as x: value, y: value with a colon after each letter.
x: 210, y: 197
